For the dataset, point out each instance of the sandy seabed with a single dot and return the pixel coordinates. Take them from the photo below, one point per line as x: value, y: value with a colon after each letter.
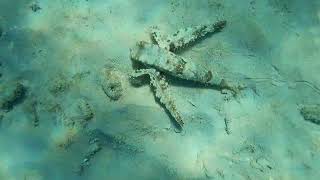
x: 58, y: 120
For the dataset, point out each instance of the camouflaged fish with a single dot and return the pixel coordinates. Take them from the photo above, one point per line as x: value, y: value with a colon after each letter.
x: 160, y: 57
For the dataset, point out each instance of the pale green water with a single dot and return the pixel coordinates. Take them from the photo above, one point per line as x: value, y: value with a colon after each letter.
x: 58, y: 122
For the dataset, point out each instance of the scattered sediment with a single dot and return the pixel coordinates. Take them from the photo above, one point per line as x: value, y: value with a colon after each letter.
x: 114, y: 142
x: 35, y: 7
x: 15, y: 97
x: 227, y: 125
x: 99, y: 140
x: 59, y: 85
x: 71, y: 122
x: 31, y: 107
x: 1, y: 31
x: 94, y: 148
x: 311, y: 113
x: 111, y: 84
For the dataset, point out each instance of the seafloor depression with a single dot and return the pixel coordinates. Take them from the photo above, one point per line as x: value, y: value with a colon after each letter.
x: 159, y: 89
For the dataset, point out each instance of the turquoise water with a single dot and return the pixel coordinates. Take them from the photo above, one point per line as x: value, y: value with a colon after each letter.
x: 70, y: 108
